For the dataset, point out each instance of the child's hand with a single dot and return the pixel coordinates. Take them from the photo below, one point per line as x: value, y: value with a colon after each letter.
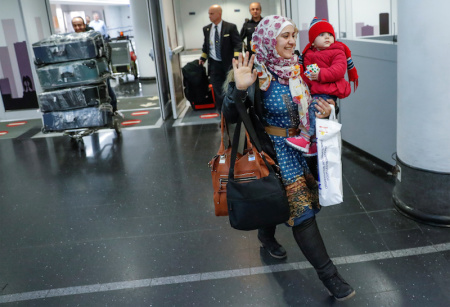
x: 312, y: 72
x: 314, y: 76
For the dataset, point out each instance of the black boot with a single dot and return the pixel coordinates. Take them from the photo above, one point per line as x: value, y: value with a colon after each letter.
x: 311, y: 244
x: 267, y: 238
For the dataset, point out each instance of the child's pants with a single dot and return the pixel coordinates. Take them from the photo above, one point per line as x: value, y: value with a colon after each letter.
x: 312, y: 111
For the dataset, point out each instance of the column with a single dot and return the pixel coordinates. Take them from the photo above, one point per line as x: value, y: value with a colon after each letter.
x: 422, y: 189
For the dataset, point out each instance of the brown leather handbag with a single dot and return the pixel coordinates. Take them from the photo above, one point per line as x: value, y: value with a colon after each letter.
x: 248, y: 166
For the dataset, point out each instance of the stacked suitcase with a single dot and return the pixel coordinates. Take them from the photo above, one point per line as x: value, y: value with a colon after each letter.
x: 72, y: 69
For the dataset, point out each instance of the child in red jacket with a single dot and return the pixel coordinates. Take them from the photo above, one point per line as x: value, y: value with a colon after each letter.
x: 333, y: 59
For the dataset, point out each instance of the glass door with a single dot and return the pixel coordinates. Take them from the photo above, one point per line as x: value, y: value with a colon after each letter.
x: 166, y: 53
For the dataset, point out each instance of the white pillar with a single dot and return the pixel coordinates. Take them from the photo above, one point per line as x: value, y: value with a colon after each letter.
x: 423, y: 109
x: 142, y: 38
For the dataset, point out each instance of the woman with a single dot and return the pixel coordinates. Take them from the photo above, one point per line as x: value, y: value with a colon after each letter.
x: 274, y: 42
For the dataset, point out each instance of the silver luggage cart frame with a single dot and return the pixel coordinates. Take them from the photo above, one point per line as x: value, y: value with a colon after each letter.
x: 121, y: 62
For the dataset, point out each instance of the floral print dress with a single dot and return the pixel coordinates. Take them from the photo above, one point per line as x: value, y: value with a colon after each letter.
x: 301, y: 187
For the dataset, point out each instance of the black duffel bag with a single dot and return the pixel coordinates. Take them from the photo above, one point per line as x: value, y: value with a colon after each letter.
x: 256, y: 203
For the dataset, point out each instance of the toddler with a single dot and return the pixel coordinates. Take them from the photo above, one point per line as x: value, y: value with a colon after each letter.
x: 325, y: 62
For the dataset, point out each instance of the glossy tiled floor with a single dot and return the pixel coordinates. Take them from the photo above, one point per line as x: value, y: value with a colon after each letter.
x: 130, y: 222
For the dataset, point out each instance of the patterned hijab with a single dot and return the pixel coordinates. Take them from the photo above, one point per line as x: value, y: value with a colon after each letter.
x: 264, y: 41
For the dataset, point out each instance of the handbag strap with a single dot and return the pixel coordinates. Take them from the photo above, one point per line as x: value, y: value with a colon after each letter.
x: 248, y: 124
x: 223, y: 126
x: 251, y: 130
x: 234, y: 148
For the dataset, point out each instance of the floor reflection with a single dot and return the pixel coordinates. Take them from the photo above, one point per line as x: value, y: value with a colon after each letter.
x: 137, y: 88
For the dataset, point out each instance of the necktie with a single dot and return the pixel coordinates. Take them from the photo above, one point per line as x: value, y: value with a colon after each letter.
x: 217, y: 45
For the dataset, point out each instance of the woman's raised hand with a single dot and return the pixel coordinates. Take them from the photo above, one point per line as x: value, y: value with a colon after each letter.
x: 243, y: 74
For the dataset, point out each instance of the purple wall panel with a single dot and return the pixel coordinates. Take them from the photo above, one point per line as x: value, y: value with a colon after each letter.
x: 359, y: 26
x: 5, y: 61
x: 18, y: 85
x: 322, y: 9
x: 5, y: 88
x: 366, y: 31
x: 10, y: 32
x: 23, y: 60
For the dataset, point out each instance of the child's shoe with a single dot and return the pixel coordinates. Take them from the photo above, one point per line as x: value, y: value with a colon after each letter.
x: 300, y: 142
x: 312, y: 150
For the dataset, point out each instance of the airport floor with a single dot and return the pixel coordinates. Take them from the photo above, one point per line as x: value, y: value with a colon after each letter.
x: 129, y: 221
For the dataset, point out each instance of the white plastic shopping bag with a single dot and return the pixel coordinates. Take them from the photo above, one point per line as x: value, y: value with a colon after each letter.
x: 328, y: 133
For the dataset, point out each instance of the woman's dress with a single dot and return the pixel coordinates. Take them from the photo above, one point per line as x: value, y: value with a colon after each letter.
x: 301, y: 186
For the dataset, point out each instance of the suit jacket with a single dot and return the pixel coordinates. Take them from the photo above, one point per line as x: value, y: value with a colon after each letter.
x: 230, y: 43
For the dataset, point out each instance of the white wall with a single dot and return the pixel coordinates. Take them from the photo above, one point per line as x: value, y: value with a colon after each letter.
x: 369, y: 115
x: 113, y: 20
x: 118, y: 18
x: 125, y: 14
x: 142, y: 38
x: 192, y: 24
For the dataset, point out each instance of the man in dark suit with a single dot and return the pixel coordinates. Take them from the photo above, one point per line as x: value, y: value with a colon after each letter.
x: 221, y: 44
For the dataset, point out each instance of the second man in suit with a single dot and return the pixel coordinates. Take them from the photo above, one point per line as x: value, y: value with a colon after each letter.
x: 221, y: 44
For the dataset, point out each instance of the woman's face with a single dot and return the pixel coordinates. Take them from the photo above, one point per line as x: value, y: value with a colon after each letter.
x: 286, y: 42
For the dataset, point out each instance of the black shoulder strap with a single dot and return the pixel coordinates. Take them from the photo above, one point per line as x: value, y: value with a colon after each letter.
x: 248, y: 124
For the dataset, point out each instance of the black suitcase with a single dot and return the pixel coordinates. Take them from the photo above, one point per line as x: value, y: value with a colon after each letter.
x: 91, y: 117
x: 69, y: 47
x: 74, y: 98
x: 196, y: 86
x: 74, y: 73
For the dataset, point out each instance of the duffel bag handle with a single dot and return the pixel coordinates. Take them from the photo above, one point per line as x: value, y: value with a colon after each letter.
x: 236, y: 136
x: 223, y: 126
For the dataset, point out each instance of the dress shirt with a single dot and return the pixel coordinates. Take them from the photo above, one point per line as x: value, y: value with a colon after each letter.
x: 212, y: 33
x: 99, y: 25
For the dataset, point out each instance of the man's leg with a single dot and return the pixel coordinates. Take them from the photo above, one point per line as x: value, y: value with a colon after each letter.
x: 217, y: 77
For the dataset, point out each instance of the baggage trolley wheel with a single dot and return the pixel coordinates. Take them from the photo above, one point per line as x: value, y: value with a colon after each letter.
x: 80, y: 144
x: 116, y: 125
x: 77, y: 141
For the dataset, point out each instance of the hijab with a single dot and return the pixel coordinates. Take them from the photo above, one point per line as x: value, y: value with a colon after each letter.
x: 267, y: 60
x: 264, y: 41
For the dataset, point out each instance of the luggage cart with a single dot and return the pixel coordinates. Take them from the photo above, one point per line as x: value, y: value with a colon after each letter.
x: 123, y: 59
x: 73, y: 70
x: 76, y: 135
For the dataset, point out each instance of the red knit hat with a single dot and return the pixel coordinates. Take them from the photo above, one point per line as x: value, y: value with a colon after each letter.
x: 318, y: 26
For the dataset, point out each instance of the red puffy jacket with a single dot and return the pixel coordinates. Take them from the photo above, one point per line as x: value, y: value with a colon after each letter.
x: 333, y: 65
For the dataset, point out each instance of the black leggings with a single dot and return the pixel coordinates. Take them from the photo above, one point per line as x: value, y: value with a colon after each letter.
x: 310, y: 241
